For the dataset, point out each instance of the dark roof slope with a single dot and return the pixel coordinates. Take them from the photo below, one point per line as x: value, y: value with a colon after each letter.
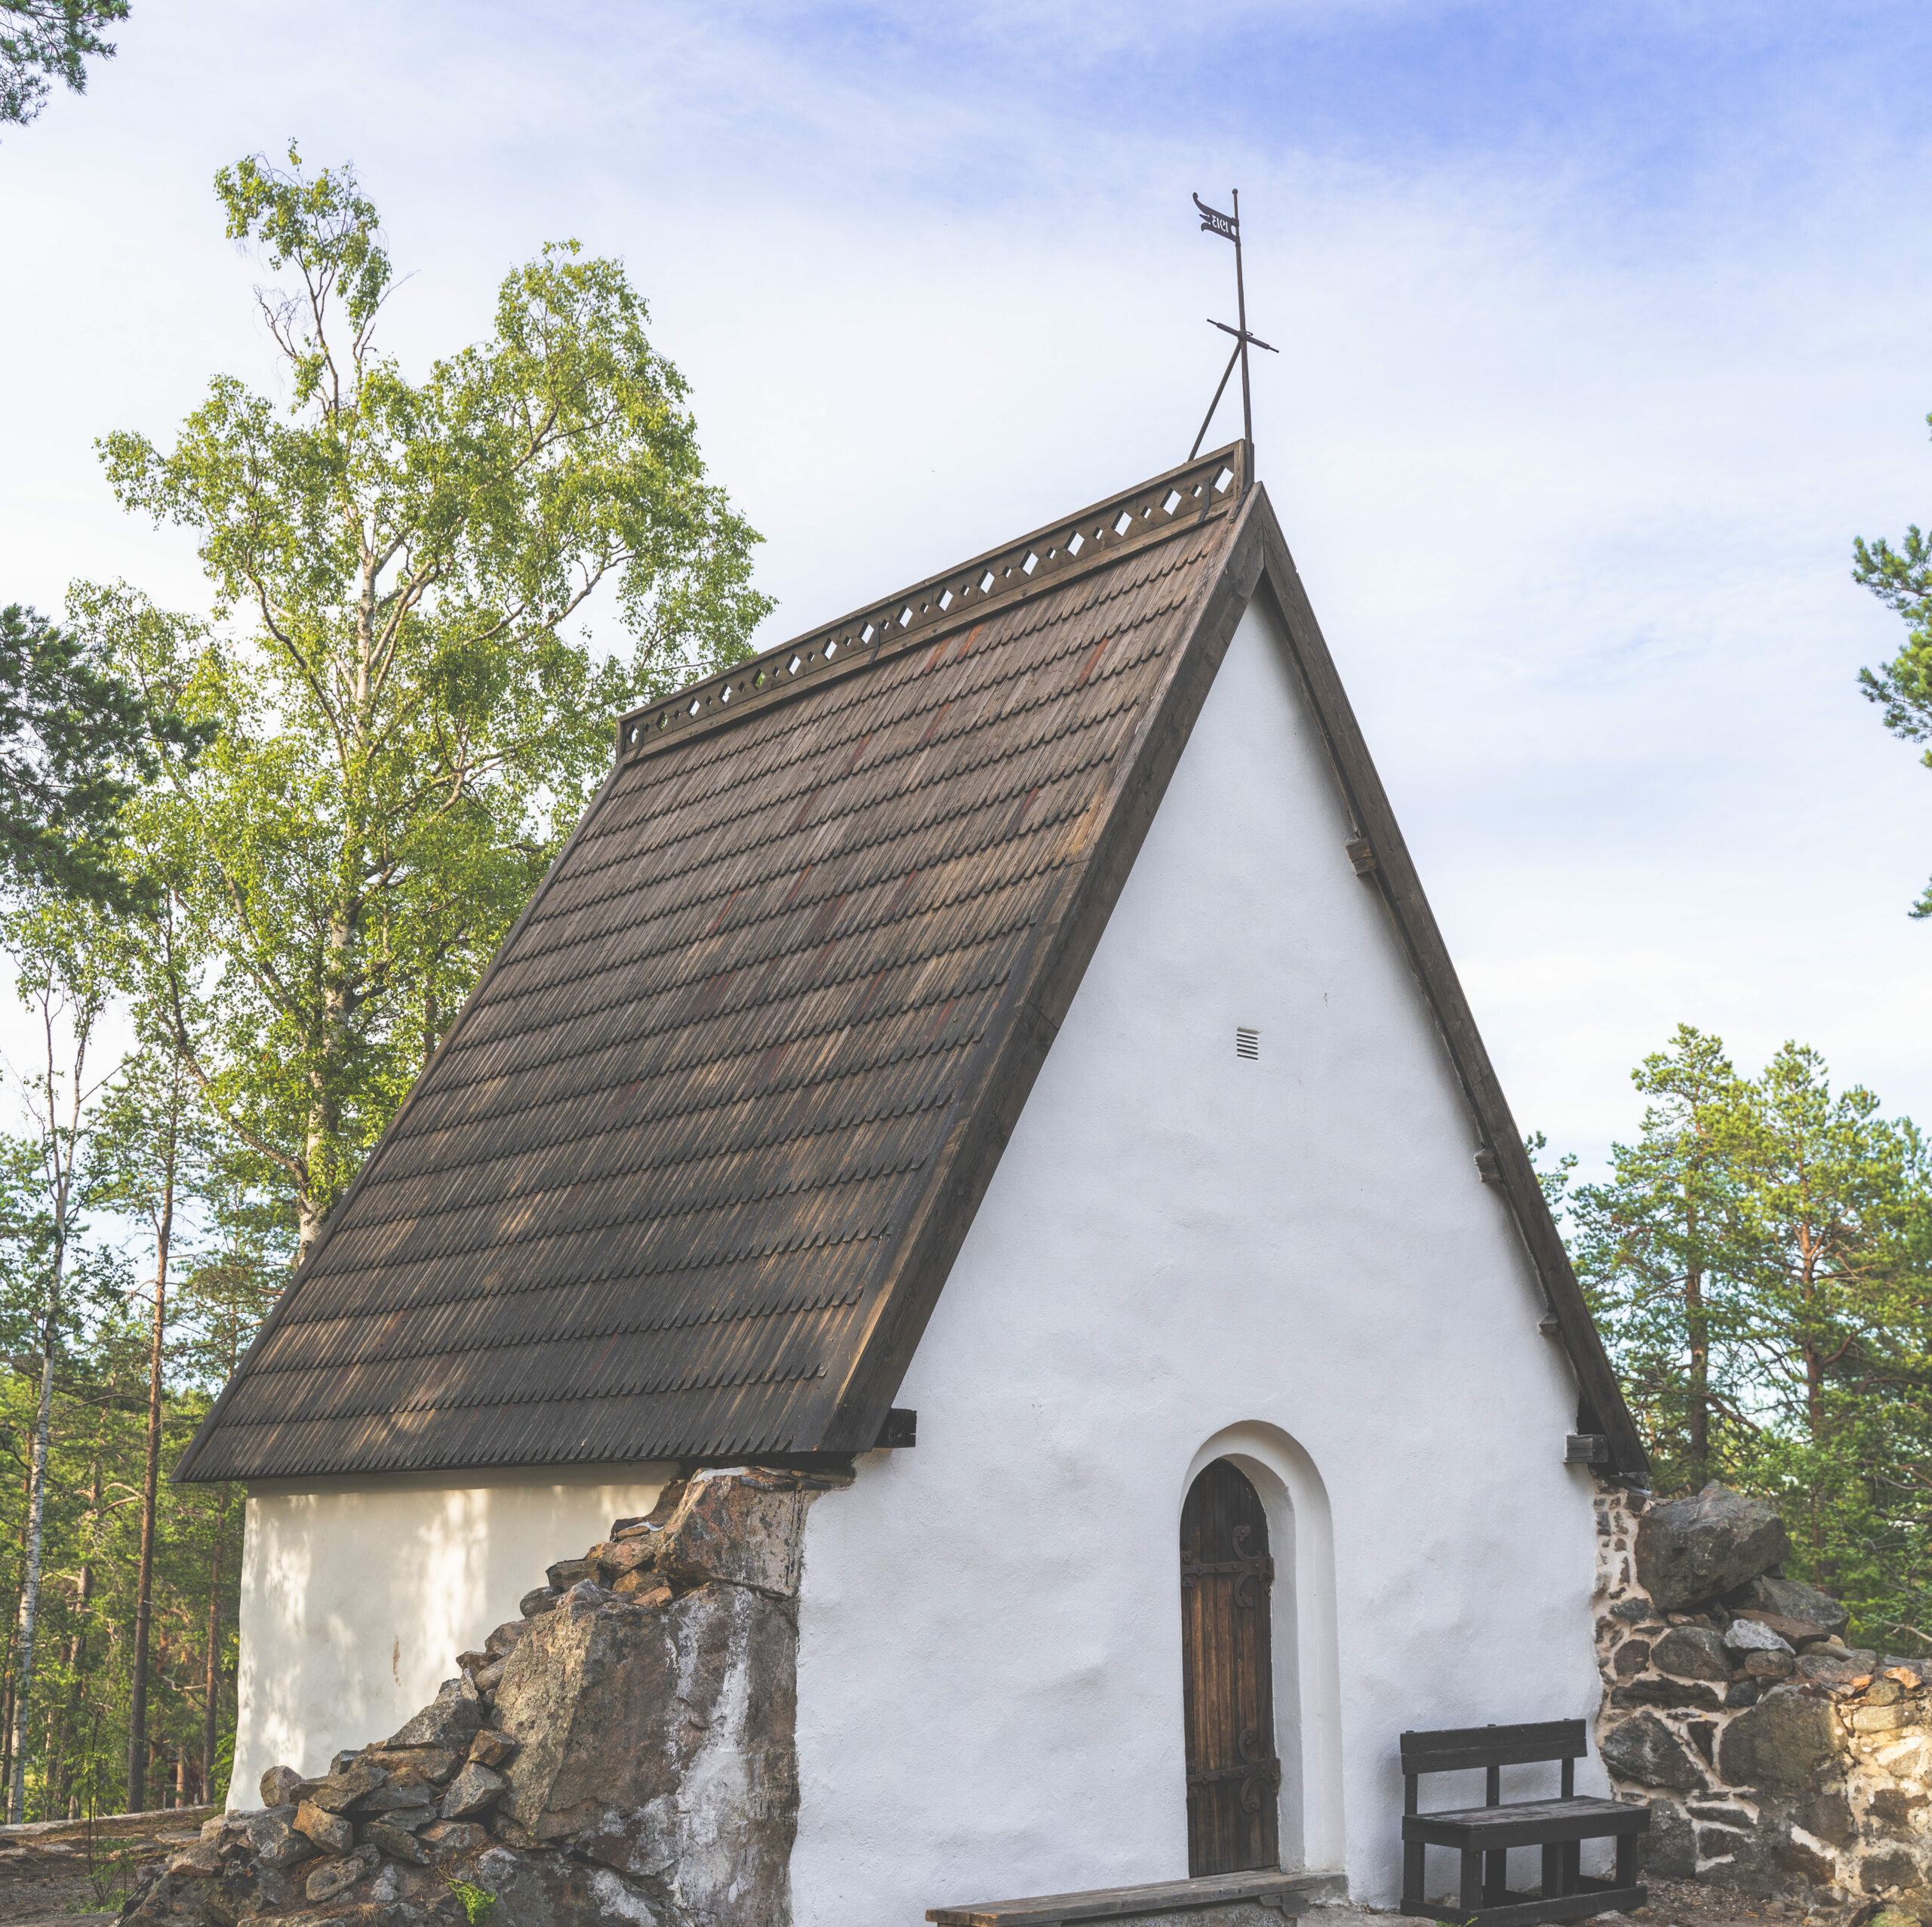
x: 687, y: 1176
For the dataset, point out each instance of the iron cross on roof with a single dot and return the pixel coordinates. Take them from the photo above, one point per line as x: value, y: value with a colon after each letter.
x: 1228, y: 226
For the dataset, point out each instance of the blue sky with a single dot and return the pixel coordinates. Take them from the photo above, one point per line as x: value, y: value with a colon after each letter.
x: 1604, y: 329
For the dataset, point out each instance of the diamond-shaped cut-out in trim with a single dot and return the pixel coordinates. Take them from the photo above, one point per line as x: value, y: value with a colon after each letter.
x: 987, y: 580
x: 1175, y: 498
x: 1075, y: 542
x: 1123, y: 522
x: 905, y: 615
x: 1222, y: 480
x: 1031, y: 562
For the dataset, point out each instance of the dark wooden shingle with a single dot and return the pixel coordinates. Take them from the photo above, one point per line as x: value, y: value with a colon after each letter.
x: 642, y: 1203
x: 688, y: 1174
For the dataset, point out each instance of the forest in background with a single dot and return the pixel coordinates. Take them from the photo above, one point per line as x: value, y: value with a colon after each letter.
x: 1759, y: 1262
x: 252, y: 859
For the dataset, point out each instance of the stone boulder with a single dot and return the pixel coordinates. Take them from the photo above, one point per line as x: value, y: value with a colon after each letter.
x: 552, y: 1890
x: 1645, y: 1750
x: 663, y: 1740
x: 1782, y: 1744
x: 1668, y: 1852
x: 340, y: 1791
x: 1690, y: 1549
x: 1789, y: 1598
x: 273, y: 1840
x: 1692, y: 1652
x: 333, y: 1833
x: 1752, y: 1635
x: 741, y: 1526
x: 451, y: 1719
x: 475, y: 1790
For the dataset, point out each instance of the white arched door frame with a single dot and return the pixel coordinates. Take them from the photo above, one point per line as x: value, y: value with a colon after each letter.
x: 1307, y: 1664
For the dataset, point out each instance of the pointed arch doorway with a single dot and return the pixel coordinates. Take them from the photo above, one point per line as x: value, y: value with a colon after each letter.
x: 1227, y: 1579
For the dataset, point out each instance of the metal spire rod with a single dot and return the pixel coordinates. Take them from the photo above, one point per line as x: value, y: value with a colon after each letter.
x: 1241, y: 316
x: 1228, y: 226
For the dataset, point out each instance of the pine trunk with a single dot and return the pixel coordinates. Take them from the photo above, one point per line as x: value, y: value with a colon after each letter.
x: 137, y: 1713
x: 30, y: 1587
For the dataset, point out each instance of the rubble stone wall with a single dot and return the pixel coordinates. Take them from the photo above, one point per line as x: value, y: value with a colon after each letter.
x: 1773, y: 1756
x: 624, y: 1750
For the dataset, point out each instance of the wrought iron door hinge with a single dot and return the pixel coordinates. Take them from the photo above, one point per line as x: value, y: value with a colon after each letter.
x: 1245, y: 1567
x: 1256, y: 1771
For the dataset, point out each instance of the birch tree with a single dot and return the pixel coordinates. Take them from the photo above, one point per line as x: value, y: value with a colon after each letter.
x: 58, y: 960
x: 408, y: 724
x: 149, y: 1165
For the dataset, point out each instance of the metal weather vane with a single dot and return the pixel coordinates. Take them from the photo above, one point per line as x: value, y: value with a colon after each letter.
x: 1228, y: 226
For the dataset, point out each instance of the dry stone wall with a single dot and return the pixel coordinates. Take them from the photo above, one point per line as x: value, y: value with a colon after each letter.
x: 624, y: 1751
x: 1773, y: 1756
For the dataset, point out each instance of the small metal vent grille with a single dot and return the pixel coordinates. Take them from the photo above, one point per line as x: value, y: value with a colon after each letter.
x: 1247, y: 1043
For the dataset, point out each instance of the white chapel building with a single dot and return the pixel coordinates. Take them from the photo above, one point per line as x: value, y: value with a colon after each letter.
x: 996, y: 1043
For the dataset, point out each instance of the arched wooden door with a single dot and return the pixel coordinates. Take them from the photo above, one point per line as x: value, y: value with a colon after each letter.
x: 1226, y: 1578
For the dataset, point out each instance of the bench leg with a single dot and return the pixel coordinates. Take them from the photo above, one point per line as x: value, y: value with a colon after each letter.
x: 1411, y: 1871
x: 1626, y: 1860
x: 1552, y: 1872
x: 1471, y: 1898
x: 1572, y: 1865
x: 1495, y: 1878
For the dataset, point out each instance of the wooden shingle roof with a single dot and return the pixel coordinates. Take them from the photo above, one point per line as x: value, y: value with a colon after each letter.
x: 686, y: 1177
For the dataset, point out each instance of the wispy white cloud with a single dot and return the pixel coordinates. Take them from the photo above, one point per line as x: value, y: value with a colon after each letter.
x: 1603, y: 330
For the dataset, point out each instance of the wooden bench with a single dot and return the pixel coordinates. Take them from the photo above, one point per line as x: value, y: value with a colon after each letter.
x: 1484, y: 1835
x: 1287, y: 1895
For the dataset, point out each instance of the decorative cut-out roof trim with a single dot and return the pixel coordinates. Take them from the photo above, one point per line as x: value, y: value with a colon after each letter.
x: 1183, y: 498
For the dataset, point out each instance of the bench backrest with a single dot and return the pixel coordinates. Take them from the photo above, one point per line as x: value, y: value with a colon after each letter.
x: 1456, y: 1749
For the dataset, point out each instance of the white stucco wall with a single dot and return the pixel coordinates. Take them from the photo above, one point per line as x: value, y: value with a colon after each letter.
x: 1292, y: 1261
x: 357, y: 1595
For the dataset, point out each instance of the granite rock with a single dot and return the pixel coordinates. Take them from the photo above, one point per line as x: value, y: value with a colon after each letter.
x: 340, y: 1791
x: 1753, y: 1635
x: 394, y: 1842
x: 333, y: 1833
x: 1789, y: 1598
x: 1782, y: 1743
x: 1668, y: 1852
x: 1693, y: 1549
x: 662, y: 1738
x: 498, y: 1644
x: 743, y: 1525
x: 450, y: 1720
x: 273, y: 1840
x: 1645, y: 1750
x: 336, y: 1876
x: 1692, y: 1652
x: 475, y: 1790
